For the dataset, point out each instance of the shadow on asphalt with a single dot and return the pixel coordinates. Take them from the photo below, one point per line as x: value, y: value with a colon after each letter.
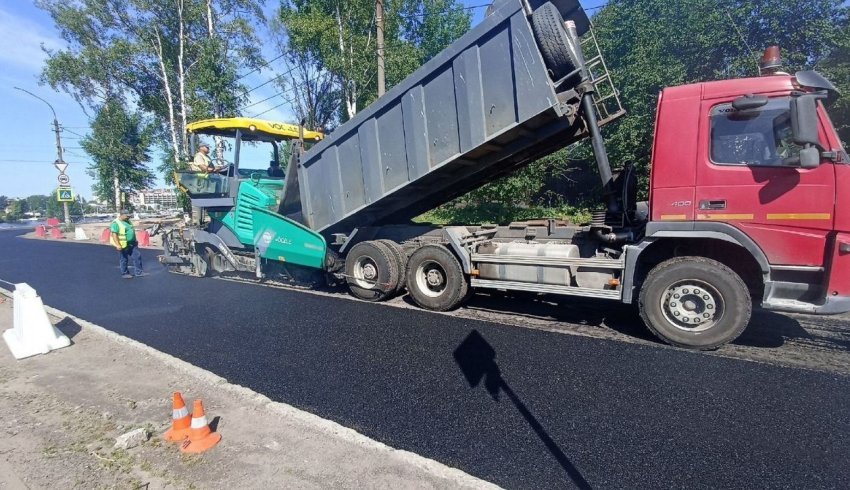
x: 477, y: 360
x: 770, y: 330
x: 767, y: 329
x: 69, y: 327
x: 580, y: 311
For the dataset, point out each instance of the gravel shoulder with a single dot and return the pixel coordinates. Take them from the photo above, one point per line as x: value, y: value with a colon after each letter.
x: 63, y: 411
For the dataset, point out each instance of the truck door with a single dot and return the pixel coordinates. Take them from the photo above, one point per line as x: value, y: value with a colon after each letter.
x: 746, y: 177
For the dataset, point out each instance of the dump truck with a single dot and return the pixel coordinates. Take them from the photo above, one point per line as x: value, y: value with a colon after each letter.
x: 746, y: 193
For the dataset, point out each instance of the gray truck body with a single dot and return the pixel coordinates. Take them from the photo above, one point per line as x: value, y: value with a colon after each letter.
x: 481, y: 108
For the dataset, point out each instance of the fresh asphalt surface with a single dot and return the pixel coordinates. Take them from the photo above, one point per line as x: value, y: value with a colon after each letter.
x: 548, y: 410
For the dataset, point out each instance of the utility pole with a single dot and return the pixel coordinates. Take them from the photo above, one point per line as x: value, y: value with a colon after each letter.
x: 379, y: 23
x: 60, y: 162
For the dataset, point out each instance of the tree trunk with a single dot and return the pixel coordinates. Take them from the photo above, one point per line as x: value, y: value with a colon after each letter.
x: 169, y: 99
x: 117, y: 189
x: 181, y: 77
x: 219, y: 141
x: 349, y: 87
x: 210, y: 19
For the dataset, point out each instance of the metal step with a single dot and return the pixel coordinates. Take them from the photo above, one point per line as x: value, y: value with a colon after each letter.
x: 790, y: 306
x: 546, y: 288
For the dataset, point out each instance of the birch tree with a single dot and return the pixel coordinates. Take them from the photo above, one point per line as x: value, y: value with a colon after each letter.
x: 175, y: 60
x: 338, y: 37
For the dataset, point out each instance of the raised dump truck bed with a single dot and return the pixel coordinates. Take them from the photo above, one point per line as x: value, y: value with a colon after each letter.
x: 481, y: 108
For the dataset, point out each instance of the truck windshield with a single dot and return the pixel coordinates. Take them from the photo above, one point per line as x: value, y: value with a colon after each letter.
x: 755, y: 137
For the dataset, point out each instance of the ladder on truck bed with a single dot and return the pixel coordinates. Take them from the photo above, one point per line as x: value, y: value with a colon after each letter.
x: 606, y: 97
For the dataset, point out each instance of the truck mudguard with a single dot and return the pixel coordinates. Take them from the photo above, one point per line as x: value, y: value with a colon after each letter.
x: 689, y: 229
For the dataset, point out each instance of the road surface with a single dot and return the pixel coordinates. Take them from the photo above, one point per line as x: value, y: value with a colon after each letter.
x: 521, y: 407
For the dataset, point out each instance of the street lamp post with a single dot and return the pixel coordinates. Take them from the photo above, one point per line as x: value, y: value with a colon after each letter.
x: 60, y: 162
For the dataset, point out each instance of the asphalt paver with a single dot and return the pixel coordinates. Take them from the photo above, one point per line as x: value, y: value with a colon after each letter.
x: 521, y: 408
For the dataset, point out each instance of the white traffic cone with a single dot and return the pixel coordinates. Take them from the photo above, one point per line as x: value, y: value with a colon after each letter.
x: 80, y: 234
x: 32, y: 333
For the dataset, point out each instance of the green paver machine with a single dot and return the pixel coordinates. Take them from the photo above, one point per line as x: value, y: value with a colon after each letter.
x: 241, y: 200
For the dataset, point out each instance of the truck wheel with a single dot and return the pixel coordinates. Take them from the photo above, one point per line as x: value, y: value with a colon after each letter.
x: 371, y: 271
x: 548, y: 26
x: 435, y: 279
x: 401, y: 260
x: 695, y: 302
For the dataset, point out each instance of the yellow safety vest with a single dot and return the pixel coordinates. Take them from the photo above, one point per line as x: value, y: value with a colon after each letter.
x: 122, y: 234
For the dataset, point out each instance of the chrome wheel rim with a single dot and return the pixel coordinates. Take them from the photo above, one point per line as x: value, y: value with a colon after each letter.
x: 431, y: 279
x: 692, y: 305
x: 365, y: 272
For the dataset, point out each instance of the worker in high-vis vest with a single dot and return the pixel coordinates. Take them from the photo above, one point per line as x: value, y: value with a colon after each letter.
x: 123, y: 238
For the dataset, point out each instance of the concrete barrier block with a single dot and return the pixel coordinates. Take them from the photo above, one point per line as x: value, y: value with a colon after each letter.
x: 32, y: 333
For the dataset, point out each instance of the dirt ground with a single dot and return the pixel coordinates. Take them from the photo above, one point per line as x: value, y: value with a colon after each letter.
x: 62, y: 412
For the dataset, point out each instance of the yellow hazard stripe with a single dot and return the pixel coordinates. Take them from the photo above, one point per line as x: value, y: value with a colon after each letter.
x: 804, y: 216
x: 673, y: 217
x: 725, y: 216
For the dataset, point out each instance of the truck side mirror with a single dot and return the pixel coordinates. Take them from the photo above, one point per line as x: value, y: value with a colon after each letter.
x: 809, y: 157
x: 804, y: 120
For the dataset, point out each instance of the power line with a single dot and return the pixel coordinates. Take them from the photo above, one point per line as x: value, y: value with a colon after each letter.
x: 34, y: 161
x: 279, y: 93
x: 425, y: 14
x: 65, y: 128
x: 262, y: 65
x: 276, y: 77
x: 260, y: 102
x: 273, y: 108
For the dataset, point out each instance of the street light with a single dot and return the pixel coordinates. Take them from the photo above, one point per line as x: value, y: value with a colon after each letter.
x: 60, y: 162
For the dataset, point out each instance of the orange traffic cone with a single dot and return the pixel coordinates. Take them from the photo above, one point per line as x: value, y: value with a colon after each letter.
x: 180, y: 420
x: 201, y: 437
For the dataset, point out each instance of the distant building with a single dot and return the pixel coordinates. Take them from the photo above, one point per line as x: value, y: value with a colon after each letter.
x: 157, y: 198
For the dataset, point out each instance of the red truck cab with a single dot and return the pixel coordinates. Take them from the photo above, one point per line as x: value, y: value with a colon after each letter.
x: 729, y: 182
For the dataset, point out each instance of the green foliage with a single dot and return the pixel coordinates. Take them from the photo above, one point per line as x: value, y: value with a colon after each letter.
x: 53, y: 208
x: 16, y: 209
x: 836, y: 66
x: 432, y: 25
x: 652, y: 44
x: 499, y: 213
x: 338, y: 39
x: 175, y: 60
x: 119, y: 145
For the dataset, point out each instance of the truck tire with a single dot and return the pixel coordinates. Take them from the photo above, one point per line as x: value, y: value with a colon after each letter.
x: 548, y: 26
x: 371, y: 271
x: 435, y: 279
x: 695, y: 303
x: 401, y: 261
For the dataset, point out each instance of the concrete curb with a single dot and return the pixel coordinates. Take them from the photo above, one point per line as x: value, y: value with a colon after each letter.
x: 284, y: 410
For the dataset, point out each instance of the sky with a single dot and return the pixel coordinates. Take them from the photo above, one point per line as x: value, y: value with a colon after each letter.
x: 27, y: 141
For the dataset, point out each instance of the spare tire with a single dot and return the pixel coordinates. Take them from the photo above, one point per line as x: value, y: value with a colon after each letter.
x: 548, y: 26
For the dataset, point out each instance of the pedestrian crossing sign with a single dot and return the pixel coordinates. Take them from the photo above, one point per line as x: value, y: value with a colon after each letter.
x: 64, y: 195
